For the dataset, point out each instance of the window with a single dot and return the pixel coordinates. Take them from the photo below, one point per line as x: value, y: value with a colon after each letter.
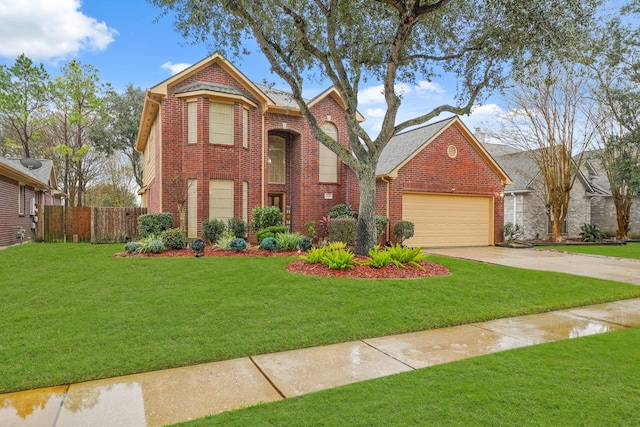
x: 220, y: 123
x: 277, y: 160
x: 221, y: 199
x: 245, y: 128
x: 192, y: 208
x: 21, y: 197
x: 192, y: 122
x: 327, y: 159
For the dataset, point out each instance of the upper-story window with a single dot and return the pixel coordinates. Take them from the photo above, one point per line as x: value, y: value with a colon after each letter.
x: 327, y: 159
x: 277, y: 160
x: 245, y: 127
x: 192, y: 122
x: 21, y: 197
x: 220, y: 123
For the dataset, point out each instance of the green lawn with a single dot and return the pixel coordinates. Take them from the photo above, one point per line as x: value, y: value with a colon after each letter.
x: 73, y: 312
x: 590, y: 381
x: 630, y: 250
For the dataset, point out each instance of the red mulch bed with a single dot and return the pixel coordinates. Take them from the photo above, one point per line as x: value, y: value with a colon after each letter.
x: 301, y: 267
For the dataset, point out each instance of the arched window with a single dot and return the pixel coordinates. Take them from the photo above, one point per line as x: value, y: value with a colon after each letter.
x: 327, y: 159
x: 277, y: 160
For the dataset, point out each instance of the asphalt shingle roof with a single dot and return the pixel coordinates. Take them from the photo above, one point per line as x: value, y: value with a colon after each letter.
x: 41, y: 175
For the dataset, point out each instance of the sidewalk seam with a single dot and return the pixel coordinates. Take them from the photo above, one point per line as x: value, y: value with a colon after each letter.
x: 275, y: 387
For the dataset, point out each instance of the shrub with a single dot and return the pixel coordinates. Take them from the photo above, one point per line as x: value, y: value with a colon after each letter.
x: 131, y: 247
x: 238, y: 245
x: 401, y: 255
x: 339, y: 259
x: 314, y: 255
x: 378, y: 258
x: 264, y: 217
x: 269, y: 243
x: 288, y: 241
x: 403, y: 230
x: 591, y: 233
x: 212, y: 230
x: 270, y: 232
x: 156, y: 246
x: 336, y: 246
x: 381, y: 223
x: 343, y: 230
x: 238, y: 226
x: 310, y: 226
x: 154, y: 224
x: 198, y: 245
x: 145, y: 245
x: 512, y: 232
x: 342, y: 211
x: 224, y: 241
x: 305, y: 244
x: 173, y: 238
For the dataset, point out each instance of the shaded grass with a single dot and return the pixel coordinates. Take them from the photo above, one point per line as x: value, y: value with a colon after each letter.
x: 589, y: 381
x: 72, y: 312
x: 630, y: 250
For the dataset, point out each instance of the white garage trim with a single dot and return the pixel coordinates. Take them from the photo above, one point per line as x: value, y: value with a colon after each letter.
x: 443, y: 220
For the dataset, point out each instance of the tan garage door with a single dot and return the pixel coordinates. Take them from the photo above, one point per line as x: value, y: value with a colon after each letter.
x: 448, y: 220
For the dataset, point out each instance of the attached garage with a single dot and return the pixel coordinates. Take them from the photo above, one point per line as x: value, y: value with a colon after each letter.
x: 449, y: 219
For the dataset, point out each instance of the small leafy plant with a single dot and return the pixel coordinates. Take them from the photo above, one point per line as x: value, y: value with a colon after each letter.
x: 131, y: 247
x: 238, y: 226
x: 342, y: 211
x: 314, y: 255
x: 238, y: 245
x: 264, y: 217
x: 378, y: 258
x: 224, y: 241
x: 212, y: 230
x: 339, y: 259
x: 305, y: 244
x: 198, y: 245
x: 288, y: 241
x: 156, y: 246
x: 269, y: 243
x: 403, y: 230
x: 145, y: 243
x: 270, y: 232
x: 173, y: 238
x: 403, y: 255
x: 591, y: 233
x: 512, y: 232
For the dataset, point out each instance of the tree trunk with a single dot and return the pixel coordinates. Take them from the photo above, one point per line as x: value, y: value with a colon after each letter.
x: 367, y: 234
x: 622, y: 202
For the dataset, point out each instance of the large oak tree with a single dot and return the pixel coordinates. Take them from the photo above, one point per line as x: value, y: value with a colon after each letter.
x: 349, y: 42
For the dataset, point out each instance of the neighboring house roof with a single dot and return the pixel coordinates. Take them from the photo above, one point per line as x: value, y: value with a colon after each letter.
x: 405, y: 145
x: 520, y: 167
x: 41, y: 178
x: 595, y: 173
x: 277, y: 96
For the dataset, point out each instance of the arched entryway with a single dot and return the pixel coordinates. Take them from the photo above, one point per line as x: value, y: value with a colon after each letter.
x: 284, y: 175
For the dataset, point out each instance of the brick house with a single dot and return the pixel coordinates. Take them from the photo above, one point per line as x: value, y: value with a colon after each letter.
x: 24, y: 183
x: 222, y: 145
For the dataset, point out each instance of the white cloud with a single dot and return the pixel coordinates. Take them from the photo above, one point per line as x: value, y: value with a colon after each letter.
x: 487, y: 110
x: 175, y: 68
x: 371, y: 95
x: 429, y: 87
x: 46, y: 29
x: 375, y: 112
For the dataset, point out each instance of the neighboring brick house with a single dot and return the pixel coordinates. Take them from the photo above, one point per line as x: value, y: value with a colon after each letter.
x: 224, y: 145
x: 24, y: 183
x: 590, y: 200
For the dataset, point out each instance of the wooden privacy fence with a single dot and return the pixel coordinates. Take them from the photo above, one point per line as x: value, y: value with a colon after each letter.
x: 90, y: 224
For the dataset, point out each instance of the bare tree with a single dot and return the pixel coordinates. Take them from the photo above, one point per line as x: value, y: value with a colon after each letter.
x: 548, y: 119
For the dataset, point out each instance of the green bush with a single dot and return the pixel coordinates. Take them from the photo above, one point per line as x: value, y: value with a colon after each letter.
x: 288, y: 241
x: 264, y: 217
x: 131, y: 247
x: 512, y: 232
x: 314, y: 255
x: 154, y: 224
x: 156, y: 246
x: 238, y: 244
x: 174, y: 238
x: 378, y: 258
x: 381, y: 224
x: 339, y: 259
x: 401, y: 255
x: 270, y: 232
x: 238, y: 226
x: 269, y: 243
x: 403, y: 230
x: 591, y: 233
x: 310, y: 226
x: 342, y: 211
x: 198, y: 245
x: 224, y: 241
x: 212, y: 229
x: 343, y: 230
x: 305, y: 244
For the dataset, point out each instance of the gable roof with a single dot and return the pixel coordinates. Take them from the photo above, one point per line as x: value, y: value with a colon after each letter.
x: 42, y: 178
x: 404, y: 146
x: 274, y: 100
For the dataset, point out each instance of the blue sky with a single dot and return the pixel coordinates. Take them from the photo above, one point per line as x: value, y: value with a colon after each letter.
x: 122, y: 40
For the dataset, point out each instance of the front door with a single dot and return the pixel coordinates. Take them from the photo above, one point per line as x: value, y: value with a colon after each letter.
x: 276, y: 199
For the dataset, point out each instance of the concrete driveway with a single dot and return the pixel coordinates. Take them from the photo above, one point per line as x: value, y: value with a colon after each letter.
x: 618, y: 269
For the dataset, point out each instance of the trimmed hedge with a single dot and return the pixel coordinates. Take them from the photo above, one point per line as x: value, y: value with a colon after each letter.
x: 342, y: 230
x: 154, y: 224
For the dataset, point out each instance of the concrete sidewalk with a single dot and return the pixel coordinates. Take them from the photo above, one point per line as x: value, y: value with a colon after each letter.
x: 174, y: 395
x: 617, y: 269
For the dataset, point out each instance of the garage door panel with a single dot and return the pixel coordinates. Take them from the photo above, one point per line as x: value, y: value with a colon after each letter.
x: 448, y: 220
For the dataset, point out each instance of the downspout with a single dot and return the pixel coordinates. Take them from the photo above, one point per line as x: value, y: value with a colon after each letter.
x: 388, y: 226
x: 262, y: 179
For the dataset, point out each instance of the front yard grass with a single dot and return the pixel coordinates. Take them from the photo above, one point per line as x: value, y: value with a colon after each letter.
x: 73, y: 312
x: 630, y: 250
x: 589, y: 381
